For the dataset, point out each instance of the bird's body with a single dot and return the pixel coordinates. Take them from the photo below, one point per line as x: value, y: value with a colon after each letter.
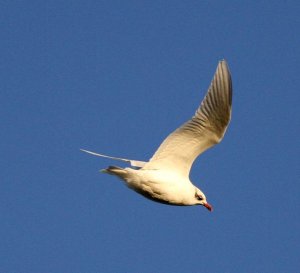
x: 165, y: 178
x: 159, y: 185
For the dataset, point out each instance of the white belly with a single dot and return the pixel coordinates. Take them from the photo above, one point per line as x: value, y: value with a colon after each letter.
x: 160, y: 186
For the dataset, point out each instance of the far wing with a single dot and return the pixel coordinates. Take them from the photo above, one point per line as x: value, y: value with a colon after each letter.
x: 206, y: 128
x: 134, y: 163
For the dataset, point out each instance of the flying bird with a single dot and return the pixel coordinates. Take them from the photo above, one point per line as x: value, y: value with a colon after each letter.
x: 165, y: 177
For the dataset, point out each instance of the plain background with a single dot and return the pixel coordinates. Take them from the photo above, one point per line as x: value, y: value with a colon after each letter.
x: 117, y: 77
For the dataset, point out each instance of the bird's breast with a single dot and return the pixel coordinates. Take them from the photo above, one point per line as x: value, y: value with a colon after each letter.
x: 160, y: 186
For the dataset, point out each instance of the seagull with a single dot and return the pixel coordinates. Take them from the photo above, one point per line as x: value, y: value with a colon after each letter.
x: 165, y: 177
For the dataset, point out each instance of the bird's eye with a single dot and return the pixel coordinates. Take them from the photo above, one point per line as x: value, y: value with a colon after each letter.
x: 199, y: 197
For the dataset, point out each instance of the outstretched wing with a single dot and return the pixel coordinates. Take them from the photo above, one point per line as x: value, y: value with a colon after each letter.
x: 206, y: 128
x: 134, y: 163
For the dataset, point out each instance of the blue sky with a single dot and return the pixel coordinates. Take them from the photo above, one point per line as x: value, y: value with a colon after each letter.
x: 117, y: 77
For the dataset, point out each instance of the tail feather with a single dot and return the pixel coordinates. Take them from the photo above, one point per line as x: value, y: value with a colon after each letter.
x: 114, y: 170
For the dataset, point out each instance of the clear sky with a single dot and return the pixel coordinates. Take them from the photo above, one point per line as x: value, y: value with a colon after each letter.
x: 117, y: 77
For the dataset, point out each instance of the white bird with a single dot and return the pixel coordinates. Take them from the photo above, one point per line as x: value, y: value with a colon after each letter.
x: 165, y: 178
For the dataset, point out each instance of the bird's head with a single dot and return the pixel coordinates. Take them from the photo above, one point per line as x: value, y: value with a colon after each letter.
x: 201, y: 199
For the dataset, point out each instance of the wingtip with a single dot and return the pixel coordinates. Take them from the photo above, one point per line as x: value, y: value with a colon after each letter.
x: 89, y: 152
x: 223, y: 61
x: 224, y: 65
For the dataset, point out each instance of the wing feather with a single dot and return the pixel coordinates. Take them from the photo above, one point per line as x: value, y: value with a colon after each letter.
x: 205, y: 129
x: 134, y: 163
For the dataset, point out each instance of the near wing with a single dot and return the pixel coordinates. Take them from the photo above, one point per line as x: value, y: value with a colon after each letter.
x: 134, y: 163
x: 206, y: 128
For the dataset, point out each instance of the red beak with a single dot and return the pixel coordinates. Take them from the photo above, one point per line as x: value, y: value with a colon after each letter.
x: 208, y: 206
